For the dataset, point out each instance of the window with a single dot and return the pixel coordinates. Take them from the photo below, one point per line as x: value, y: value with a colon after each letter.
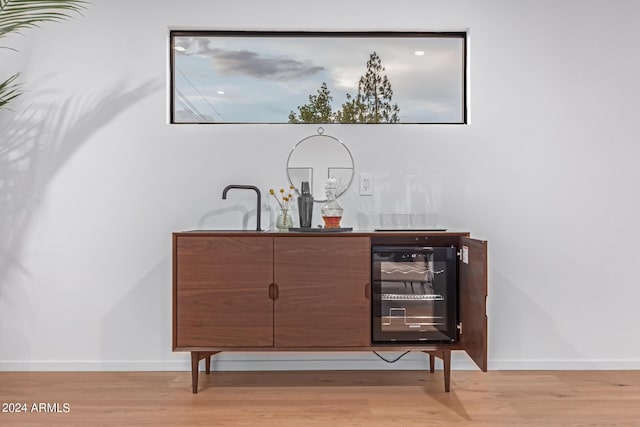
x: 318, y: 77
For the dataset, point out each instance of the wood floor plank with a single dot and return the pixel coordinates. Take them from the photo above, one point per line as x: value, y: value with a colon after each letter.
x: 322, y: 398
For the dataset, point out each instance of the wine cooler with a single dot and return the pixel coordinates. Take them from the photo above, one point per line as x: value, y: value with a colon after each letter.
x: 414, y: 293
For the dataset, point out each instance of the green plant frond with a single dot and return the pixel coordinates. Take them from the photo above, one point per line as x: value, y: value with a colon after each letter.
x: 20, y: 14
x: 16, y: 15
x: 9, y: 90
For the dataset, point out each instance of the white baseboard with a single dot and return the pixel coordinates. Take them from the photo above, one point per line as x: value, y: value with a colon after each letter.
x: 564, y: 365
x: 246, y: 362
x: 315, y: 361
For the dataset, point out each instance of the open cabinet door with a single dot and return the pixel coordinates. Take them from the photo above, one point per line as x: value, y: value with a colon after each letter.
x: 473, y: 300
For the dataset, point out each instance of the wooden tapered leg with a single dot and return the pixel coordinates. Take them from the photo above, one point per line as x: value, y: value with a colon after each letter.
x: 445, y: 355
x: 196, y: 356
x: 432, y: 360
x: 446, y: 360
x: 195, y: 359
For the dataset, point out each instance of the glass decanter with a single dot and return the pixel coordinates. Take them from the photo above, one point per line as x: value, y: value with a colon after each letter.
x: 331, y: 211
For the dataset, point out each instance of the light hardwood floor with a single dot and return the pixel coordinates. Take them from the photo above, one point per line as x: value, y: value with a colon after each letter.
x: 324, y: 398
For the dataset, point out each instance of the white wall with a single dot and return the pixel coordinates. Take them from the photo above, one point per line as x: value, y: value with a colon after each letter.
x: 93, y: 180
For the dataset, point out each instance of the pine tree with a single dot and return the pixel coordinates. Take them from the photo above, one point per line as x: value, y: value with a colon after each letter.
x: 353, y: 111
x: 318, y: 110
x: 372, y: 104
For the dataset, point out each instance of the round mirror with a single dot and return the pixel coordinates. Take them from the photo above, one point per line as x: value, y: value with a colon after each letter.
x: 317, y: 158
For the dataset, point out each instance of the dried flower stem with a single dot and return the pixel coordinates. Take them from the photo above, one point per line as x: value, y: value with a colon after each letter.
x: 285, y: 199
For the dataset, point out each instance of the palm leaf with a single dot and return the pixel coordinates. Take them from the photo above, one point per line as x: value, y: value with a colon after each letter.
x: 9, y: 90
x: 19, y: 14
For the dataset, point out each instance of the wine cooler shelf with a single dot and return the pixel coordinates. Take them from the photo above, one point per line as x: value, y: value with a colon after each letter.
x: 411, y: 297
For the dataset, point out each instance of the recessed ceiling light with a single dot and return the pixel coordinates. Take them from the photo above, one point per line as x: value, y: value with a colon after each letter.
x: 418, y: 52
x: 220, y: 92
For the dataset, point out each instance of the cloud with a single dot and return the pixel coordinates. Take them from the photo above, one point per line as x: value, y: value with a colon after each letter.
x: 254, y: 65
x: 249, y: 63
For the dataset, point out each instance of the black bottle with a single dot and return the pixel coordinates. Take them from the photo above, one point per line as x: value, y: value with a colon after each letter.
x: 305, y: 205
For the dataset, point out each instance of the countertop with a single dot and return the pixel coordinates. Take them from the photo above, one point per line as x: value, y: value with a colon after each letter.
x: 366, y: 233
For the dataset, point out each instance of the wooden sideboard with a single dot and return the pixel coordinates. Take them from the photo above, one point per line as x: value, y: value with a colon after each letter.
x: 272, y: 291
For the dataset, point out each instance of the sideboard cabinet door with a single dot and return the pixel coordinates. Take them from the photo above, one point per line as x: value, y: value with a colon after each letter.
x: 323, y: 291
x: 221, y: 291
x: 473, y: 300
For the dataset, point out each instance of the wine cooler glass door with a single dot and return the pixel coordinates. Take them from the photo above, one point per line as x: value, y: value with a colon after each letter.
x: 414, y: 293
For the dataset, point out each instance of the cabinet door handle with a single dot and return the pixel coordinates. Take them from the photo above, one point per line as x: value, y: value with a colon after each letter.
x: 367, y: 293
x: 273, y: 291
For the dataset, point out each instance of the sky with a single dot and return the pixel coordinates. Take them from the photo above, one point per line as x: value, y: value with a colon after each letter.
x: 262, y: 79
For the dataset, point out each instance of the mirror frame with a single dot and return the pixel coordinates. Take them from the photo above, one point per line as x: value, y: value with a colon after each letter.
x: 314, y: 188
